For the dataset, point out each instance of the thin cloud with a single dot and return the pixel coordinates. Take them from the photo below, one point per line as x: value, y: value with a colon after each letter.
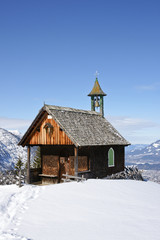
x: 131, y: 123
x: 12, y: 123
x: 150, y: 87
x: 136, y: 130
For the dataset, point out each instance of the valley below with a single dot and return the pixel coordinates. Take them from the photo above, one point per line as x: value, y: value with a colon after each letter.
x: 146, y: 158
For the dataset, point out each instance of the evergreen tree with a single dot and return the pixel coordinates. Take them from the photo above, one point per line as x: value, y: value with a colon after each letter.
x: 37, y: 158
x: 19, y: 164
x: 18, y: 168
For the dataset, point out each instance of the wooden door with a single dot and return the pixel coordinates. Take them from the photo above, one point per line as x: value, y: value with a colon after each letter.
x: 50, y: 165
x: 62, y: 167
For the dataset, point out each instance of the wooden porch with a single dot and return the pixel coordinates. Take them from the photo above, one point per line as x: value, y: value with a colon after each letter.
x: 55, y: 164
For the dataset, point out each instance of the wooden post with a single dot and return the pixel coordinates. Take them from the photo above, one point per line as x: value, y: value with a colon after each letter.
x: 19, y: 177
x: 76, y: 161
x: 92, y: 103
x: 28, y: 165
x: 101, y: 106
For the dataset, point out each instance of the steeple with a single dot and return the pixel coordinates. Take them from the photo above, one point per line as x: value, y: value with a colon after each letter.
x: 97, y: 97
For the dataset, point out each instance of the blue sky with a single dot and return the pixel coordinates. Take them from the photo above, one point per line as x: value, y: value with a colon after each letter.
x: 50, y: 51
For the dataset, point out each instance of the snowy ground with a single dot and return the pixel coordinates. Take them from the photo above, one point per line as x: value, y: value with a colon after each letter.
x: 93, y: 210
x: 151, y: 175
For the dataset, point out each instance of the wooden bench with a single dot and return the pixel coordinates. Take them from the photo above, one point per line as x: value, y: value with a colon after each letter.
x: 48, y: 179
x: 50, y: 176
x: 69, y: 178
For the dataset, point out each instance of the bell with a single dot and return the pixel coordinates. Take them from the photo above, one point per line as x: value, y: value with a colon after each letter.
x: 97, y: 103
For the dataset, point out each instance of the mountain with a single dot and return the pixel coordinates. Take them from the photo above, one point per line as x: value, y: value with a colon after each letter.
x: 146, y: 158
x: 9, y: 150
x: 134, y: 147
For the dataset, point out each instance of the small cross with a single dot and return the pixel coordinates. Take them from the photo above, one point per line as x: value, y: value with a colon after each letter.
x: 97, y: 73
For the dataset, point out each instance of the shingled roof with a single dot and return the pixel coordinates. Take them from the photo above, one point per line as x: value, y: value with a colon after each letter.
x: 84, y: 128
x: 96, y: 90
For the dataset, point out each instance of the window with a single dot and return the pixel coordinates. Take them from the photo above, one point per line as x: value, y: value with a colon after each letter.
x: 111, y: 158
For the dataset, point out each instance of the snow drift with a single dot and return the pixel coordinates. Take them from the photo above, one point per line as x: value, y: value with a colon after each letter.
x: 95, y: 209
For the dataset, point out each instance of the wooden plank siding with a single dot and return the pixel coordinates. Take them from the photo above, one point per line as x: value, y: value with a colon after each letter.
x: 42, y: 137
x: 83, y: 164
x: 50, y: 165
x: 55, y: 165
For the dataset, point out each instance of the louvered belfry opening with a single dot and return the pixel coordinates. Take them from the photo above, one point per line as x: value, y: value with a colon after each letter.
x: 97, y: 102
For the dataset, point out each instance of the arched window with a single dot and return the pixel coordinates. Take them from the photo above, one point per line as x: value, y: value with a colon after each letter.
x: 111, y: 158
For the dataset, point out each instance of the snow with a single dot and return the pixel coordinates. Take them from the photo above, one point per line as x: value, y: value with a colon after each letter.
x: 15, y: 132
x: 151, y: 175
x: 95, y: 209
x: 13, y: 200
x: 147, y: 154
x: 156, y: 145
x: 9, y: 150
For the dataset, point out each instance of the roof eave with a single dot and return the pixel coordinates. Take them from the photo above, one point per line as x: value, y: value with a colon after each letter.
x: 96, y: 94
x: 107, y: 144
x: 29, y: 130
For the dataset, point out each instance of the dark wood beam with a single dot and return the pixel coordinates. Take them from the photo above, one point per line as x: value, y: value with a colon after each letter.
x: 76, y: 161
x: 28, y: 165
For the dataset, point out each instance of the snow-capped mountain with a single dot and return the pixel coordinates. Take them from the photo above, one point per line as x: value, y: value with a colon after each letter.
x: 149, y: 155
x: 9, y: 150
x: 132, y: 148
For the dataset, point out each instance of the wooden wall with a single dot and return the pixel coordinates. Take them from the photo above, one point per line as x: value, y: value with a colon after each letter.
x: 42, y: 136
x: 94, y: 159
x: 99, y: 161
x: 55, y: 165
x: 34, y: 175
x: 50, y: 165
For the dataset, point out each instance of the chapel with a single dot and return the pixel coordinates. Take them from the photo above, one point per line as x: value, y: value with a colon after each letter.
x: 74, y: 142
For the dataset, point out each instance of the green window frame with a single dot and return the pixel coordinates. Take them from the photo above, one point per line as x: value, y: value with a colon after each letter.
x: 111, y: 157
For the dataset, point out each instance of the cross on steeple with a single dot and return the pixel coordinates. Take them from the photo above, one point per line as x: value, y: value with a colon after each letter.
x: 96, y: 74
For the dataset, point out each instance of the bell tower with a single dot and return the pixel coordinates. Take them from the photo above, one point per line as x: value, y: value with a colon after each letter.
x: 97, y: 97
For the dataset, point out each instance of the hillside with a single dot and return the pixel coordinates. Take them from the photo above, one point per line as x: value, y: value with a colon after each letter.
x: 131, y: 148
x: 147, y: 159
x: 95, y: 209
x: 150, y: 154
x: 9, y: 150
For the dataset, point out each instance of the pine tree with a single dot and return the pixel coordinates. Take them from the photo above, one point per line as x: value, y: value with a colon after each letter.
x: 37, y: 159
x: 18, y: 167
x: 19, y: 164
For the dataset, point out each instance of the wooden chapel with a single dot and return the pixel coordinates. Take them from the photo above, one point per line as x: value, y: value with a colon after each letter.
x: 74, y: 142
